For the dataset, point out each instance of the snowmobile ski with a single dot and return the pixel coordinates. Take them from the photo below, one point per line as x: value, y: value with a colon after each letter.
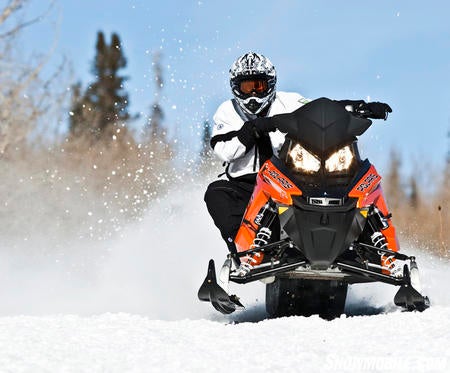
x: 407, y: 296
x: 210, y: 291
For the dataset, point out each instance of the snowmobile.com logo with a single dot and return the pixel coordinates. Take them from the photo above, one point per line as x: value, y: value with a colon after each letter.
x: 385, y: 364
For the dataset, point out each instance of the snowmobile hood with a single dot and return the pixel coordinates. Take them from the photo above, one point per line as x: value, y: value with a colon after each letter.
x: 322, y: 126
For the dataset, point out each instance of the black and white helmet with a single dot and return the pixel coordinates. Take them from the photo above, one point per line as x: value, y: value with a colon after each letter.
x: 253, y: 79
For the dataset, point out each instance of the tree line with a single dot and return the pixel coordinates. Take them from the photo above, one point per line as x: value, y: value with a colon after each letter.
x: 421, y: 211
x: 87, y: 181
x: 99, y: 113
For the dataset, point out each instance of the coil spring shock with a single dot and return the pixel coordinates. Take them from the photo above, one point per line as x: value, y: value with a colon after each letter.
x: 379, y: 222
x: 379, y: 241
x: 262, y: 238
x: 264, y: 220
x: 387, y: 261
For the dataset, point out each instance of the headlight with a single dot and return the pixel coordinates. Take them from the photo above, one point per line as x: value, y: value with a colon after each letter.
x: 304, y: 160
x: 339, y: 161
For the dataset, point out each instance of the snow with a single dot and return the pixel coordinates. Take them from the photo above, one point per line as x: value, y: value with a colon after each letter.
x: 130, y: 343
x: 136, y: 310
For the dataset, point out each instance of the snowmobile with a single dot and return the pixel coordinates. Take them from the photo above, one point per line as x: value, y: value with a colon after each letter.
x: 317, y: 221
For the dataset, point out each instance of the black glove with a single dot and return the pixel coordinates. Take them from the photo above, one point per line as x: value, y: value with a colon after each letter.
x: 253, y: 130
x: 376, y: 110
x: 247, y: 135
x: 264, y: 125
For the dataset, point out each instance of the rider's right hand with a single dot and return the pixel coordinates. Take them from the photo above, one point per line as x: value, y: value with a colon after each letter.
x: 254, y: 129
x: 263, y: 125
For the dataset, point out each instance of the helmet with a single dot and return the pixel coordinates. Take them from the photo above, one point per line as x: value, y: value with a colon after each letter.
x: 252, y: 80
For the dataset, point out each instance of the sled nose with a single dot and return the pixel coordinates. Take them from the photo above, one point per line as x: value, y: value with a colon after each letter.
x: 323, y: 233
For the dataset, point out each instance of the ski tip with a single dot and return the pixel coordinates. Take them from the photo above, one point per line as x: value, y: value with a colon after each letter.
x: 410, y: 299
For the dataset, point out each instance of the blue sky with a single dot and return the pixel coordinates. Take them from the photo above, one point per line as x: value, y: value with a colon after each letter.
x: 385, y: 50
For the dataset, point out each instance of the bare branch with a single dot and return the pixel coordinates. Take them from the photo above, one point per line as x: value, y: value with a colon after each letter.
x: 13, y: 6
x: 25, y: 24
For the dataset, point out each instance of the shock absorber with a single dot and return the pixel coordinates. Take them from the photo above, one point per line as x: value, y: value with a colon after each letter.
x: 262, y: 238
x: 264, y: 220
x: 379, y: 222
x: 266, y: 214
x: 379, y: 241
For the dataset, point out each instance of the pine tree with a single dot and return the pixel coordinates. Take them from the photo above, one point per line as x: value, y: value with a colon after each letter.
x: 154, y: 123
x: 207, y: 164
x: 414, y: 197
x: 155, y: 133
x: 206, y: 151
x: 443, y: 207
x: 104, y: 104
x: 394, y: 190
x: 77, y: 113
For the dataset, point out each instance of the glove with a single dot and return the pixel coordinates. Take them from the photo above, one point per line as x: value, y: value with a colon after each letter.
x: 377, y: 110
x: 253, y: 130
x: 264, y: 125
x: 247, y: 135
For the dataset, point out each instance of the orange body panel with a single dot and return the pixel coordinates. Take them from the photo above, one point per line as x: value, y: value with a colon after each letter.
x: 364, y: 188
x: 368, y: 191
x: 270, y: 183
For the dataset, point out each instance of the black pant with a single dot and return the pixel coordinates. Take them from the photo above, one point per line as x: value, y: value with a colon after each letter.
x: 226, y: 201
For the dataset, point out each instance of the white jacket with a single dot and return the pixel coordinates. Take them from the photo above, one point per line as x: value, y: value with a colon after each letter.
x: 229, y: 119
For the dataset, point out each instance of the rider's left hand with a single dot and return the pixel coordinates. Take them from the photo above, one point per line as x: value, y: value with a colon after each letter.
x: 379, y: 110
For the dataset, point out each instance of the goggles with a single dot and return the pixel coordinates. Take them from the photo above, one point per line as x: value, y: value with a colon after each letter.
x: 257, y: 86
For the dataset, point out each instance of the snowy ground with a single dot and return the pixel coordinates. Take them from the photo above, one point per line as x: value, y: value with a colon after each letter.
x: 135, y: 310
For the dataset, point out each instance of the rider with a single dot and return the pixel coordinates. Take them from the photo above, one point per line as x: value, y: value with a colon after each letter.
x: 244, y: 145
x: 239, y: 144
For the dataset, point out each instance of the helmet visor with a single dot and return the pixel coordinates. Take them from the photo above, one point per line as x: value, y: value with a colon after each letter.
x: 258, y: 86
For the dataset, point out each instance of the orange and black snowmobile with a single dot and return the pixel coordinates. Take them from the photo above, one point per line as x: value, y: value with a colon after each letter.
x: 317, y: 221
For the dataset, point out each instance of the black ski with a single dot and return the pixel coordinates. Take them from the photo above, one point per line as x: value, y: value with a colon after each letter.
x: 210, y: 291
x: 408, y: 297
